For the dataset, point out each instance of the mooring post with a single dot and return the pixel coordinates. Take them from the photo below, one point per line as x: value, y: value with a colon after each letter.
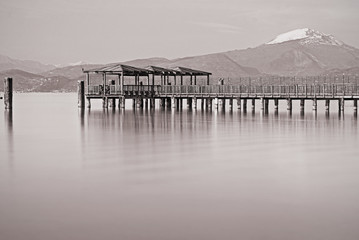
x: 314, y: 104
x: 327, y: 105
x: 202, y: 103
x: 81, y: 94
x: 146, y: 103
x: 289, y: 104
x: 239, y: 103
x: 302, y: 105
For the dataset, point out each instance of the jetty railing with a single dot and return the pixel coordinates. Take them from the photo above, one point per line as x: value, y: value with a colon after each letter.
x: 324, y: 90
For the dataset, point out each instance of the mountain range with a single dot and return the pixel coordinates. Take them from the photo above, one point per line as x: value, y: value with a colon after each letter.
x: 301, y: 52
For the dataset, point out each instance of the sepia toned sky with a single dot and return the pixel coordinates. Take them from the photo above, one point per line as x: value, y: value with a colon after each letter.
x: 104, y: 31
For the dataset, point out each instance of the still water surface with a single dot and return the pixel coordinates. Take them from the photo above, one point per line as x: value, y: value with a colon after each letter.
x: 67, y: 174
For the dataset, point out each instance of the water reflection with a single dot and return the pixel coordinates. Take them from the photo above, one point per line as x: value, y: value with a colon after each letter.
x: 8, y: 116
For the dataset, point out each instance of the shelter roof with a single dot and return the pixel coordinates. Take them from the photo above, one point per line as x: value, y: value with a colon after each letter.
x: 119, y: 68
x: 189, y: 71
x: 163, y: 71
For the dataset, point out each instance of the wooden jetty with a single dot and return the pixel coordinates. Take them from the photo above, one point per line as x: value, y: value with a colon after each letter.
x: 170, y: 87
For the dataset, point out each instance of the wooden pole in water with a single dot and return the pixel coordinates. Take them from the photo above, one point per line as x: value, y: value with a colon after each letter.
x: 194, y: 100
x: 314, y: 104
x: 81, y: 94
x: 8, y: 93
x: 239, y: 103
x: 289, y: 104
x: 302, y: 104
x: 327, y: 105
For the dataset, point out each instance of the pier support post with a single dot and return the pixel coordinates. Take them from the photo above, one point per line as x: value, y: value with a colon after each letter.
x: 216, y: 103
x: 112, y: 102
x: 289, y: 104
x: 152, y: 103
x: 314, y: 104
x: 262, y: 104
x: 146, y: 103
x: 105, y: 102
x: 222, y: 103
x: 209, y: 103
x: 253, y: 104
x: 355, y: 106
x: 239, y: 104
x: 342, y: 103
x: 266, y: 105
x: 194, y: 100
x: 134, y: 103
x: 230, y: 104
x: 174, y: 102
x: 244, y: 104
x: 302, y: 105
x: 189, y: 103
x: 276, y: 104
x: 162, y: 102
x: 168, y: 103
x: 327, y: 105
x: 88, y: 102
x: 202, y: 103
x: 80, y: 93
x: 121, y: 102
x: 139, y: 102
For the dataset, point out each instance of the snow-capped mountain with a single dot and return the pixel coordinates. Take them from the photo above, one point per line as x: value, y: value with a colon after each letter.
x: 307, y: 36
x: 299, y: 52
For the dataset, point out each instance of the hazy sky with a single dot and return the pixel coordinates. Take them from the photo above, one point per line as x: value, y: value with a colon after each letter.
x: 103, y: 31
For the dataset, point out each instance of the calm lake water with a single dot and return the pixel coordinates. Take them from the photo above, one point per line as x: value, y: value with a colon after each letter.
x: 163, y: 175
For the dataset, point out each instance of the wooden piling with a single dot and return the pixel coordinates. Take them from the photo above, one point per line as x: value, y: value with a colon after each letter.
x: 168, y: 103
x: 216, y: 103
x: 152, y: 103
x: 105, y: 102
x: 194, y: 101
x: 81, y: 94
x: 276, y: 104
x: 253, y: 104
x: 302, y: 105
x: 162, y: 102
x: 209, y: 103
x: 342, y: 104
x: 88, y: 102
x: 355, y: 105
x: 289, y: 104
x: 121, y: 102
x: 202, y: 103
x: 327, y: 105
x: 266, y: 105
x: 314, y: 104
x: 189, y: 103
x: 231, y: 104
x: 146, y: 103
x: 244, y: 105
x: 239, y: 103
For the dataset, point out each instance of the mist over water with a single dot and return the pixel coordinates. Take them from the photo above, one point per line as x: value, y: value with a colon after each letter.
x: 168, y: 174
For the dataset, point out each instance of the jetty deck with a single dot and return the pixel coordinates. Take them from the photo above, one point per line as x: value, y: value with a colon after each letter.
x: 170, y: 86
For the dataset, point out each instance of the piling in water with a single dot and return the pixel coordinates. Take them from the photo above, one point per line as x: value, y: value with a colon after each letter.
x: 8, y: 93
